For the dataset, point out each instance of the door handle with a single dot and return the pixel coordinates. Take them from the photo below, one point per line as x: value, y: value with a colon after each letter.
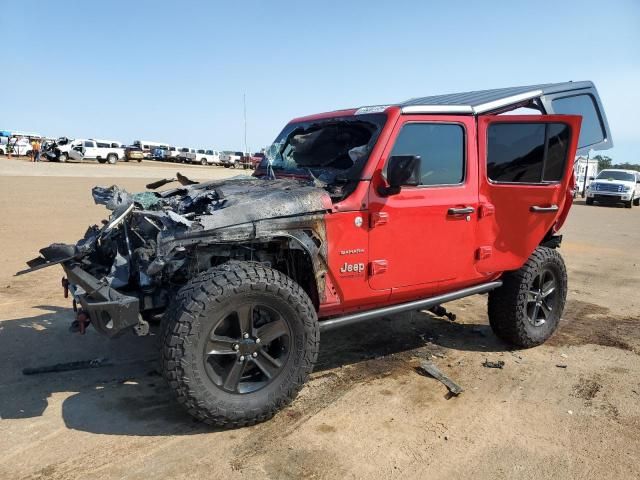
x: 460, y: 211
x: 539, y: 209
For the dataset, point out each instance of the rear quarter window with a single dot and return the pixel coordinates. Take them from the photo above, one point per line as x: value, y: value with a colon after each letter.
x: 592, y: 130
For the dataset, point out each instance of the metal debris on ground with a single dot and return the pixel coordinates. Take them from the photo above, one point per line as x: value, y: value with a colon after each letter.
x: 65, y: 367
x: 432, y: 370
x: 491, y: 364
x: 440, y: 311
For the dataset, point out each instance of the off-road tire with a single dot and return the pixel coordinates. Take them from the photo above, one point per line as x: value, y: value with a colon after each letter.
x: 508, y: 304
x: 589, y: 201
x: 187, y: 325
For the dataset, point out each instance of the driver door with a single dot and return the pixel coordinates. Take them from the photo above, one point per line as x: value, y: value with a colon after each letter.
x: 423, y: 238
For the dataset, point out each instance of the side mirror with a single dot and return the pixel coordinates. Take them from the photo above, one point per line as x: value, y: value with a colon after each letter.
x: 401, y: 170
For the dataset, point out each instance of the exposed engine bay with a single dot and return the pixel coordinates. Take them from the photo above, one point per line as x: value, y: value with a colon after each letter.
x: 154, y: 242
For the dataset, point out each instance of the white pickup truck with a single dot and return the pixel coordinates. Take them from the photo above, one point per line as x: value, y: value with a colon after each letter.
x: 208, y: 157
x: 230, y: 159
x: 615, y: 186
x: 104, y: 151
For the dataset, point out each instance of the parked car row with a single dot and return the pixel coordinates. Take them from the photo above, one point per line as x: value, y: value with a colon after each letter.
x: 226, y: 158
x: 64, y: 149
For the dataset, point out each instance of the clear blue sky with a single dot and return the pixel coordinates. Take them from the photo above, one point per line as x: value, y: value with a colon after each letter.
x: 176, y: 71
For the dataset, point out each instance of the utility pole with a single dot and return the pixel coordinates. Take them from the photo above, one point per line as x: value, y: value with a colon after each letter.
x: 586, y: 171
x: 244, y: 105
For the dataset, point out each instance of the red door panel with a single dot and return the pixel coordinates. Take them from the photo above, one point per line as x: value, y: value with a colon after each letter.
x: 420, y: 245
x: 515, y: 217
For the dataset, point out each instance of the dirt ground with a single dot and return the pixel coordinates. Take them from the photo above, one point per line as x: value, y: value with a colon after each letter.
x: 367, y: 412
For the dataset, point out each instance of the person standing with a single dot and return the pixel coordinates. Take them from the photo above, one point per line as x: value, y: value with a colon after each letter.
x: 35, y: 148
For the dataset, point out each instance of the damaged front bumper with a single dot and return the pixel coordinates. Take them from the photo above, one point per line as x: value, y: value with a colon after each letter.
x: 110, y: 311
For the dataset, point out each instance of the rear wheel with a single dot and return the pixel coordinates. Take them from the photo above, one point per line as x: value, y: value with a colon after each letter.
x: 239, y: 343
x: 112, y: 158
x: 526, y: 309
x: 203, y: 161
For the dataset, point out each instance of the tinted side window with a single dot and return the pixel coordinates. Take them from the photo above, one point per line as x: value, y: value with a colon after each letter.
x: 591, y: 131
x: 88, y: 144
x: 515, y: 152
x: 558, y: 144
x: 518, y: 152
x: 441, y: 151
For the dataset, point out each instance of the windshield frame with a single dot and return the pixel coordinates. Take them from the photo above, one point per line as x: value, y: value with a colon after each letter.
x: 377, y: 120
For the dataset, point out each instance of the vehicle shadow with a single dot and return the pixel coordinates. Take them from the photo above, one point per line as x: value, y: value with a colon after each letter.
x: 129, y: 397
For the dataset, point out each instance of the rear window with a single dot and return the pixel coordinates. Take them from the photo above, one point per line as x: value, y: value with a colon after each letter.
x: 527, y: 152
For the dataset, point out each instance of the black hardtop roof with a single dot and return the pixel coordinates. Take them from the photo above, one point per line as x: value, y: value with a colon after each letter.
x: 481, y: 101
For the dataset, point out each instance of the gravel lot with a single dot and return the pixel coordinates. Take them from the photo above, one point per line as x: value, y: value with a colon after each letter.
x: 366, y: 413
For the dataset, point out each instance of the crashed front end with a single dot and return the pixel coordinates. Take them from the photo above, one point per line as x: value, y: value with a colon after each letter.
x: 125, y: 272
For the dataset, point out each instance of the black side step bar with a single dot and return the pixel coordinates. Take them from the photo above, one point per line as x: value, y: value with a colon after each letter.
x: 404, y: 307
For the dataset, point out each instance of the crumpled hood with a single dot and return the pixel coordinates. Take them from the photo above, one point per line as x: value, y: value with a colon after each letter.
x: 249, y: 200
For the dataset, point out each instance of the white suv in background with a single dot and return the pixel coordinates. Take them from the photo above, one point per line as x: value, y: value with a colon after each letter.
x: 615, y: 186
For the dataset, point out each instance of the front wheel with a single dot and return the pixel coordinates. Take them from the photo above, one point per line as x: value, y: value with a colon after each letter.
x: 628, y: 204
x: 526, y: 309
x: 636, y: 201
x: 62, y: 158
x: 240, y: 341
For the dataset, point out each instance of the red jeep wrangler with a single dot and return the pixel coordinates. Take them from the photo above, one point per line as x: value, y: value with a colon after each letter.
x: 352, y: 215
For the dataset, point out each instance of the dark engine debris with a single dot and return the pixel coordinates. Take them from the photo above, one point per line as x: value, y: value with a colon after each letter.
x: 126, y: 270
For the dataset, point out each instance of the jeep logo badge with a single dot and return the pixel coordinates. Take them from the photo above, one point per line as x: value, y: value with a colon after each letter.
x: 352, y: 268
